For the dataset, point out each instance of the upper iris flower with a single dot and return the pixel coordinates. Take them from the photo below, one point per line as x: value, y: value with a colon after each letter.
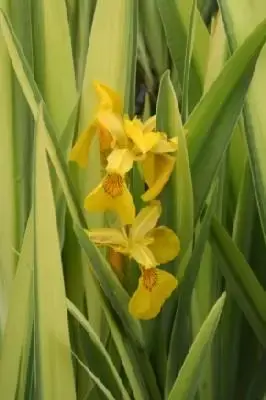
x: 148, y: 245
x: 141, y: 143
x: 109, y: 103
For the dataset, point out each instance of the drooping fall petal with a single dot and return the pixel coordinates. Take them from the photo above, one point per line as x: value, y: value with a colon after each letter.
x: 112, y: 194
x: 154, y: 287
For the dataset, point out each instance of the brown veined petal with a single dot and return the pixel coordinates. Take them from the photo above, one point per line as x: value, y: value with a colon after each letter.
x: 165, y: 245
x: 160, y: 171
x: 112, y: 194
x: 80, y: 151
x: 154, y: 287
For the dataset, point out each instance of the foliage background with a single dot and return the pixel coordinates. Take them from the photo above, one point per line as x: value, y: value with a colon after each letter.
x: 65, y: 332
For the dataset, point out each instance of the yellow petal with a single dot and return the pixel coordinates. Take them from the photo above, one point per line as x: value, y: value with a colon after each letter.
x: 107, y: 237
x: 135, y: 133
x: 165, y: 246
x: 157, y: 169
x: 120, y: 161
x: 143, y: 255
x: 105, y: 139
x: 109, y: 99
x: 151, y: 294
x: 99, y: 201
x: 80, y: 151
x: 150, y: 124
x: 145, y: 221
x: 164, y: 145
x: 112, y: 123
x: 124, y: 206
x: 151, y: 139
x: 144, y: 142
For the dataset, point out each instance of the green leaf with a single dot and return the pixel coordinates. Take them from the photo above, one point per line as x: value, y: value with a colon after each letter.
x: 128, y: 358
x: 175, y: 18
x: 54, y: 370
x: 186, y: 384
x: 241, y: 281
x: 18, y: 316
x: 188, y: 57
x: 238, y: 26
x: 180, y: 334
x: 180, y: 205
x: 95, y: 379
x: 28, y: 85
x: 151, y: 26
x: 8, y: 206
x: 99, y: 360
x: 53, y: 62
x: 211, y: 123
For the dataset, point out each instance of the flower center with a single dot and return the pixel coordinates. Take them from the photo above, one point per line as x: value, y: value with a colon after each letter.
x: 149, y: 278
x: 113, y: 185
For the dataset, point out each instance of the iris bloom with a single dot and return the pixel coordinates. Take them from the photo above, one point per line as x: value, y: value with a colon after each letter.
x: 148, y: 147
x: 154, y: 287
x: 148, y: 245
x: 109, y: 104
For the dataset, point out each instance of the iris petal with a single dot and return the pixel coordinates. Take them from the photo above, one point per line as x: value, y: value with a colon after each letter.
x: 165, y: 245
x: 99, y: 201
x: 157, y: 169
x: 80, y: 151
x: 145, y: 221
x: 146, y: 304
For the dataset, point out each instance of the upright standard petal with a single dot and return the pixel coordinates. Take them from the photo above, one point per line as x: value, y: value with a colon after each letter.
x: 157, y: 169
x: 146, y: 220
x: 113, y: 123
x: 165, y: 245
x: 120, y: 160
x: 80, y: 151
x: 108, y: 98
x: 154, y: 287
x: 142, y: 254
x: 150, y: 124
x: 143, y: 141
x: 112, y: 194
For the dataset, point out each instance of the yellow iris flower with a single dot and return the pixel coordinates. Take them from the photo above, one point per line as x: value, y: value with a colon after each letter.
x: 148, y: 147
x: 154, y: 287
x: 145, y: 243
x: 109, y: 105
